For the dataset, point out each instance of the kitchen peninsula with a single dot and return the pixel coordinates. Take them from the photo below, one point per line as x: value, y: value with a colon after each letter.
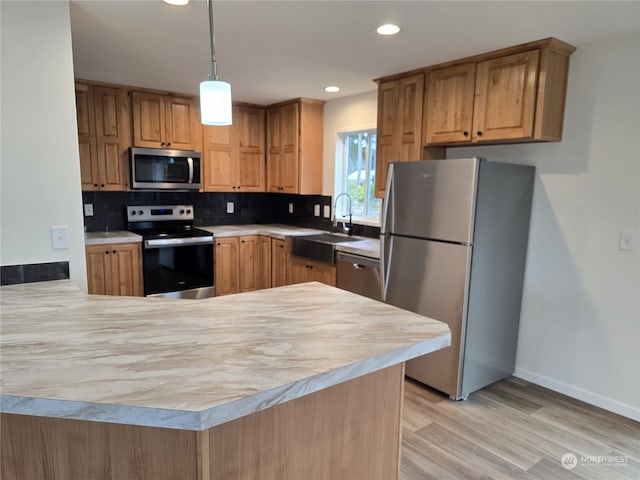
x: 302, y: 381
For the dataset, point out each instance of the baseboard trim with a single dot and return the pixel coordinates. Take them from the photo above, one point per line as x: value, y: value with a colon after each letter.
x: 586, y: 396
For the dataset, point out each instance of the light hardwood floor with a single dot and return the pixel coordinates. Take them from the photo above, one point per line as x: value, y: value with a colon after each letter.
x: 512, y: 430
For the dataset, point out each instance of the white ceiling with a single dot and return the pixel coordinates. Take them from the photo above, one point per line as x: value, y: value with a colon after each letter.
x: 275, y: 50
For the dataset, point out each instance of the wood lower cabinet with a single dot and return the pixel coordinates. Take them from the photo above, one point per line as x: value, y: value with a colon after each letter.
x: 515, y: 95
x: 302, y: 270
x: 114, y: 269
x: 165, y: 121
x: 234, y: 156
x: 399, y: 132
x: 294, y: 147
x: 242, y: 264
x: 279, y: 263
x: 103, y: 135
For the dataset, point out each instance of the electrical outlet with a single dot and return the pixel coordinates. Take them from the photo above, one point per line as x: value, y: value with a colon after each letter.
x: 627, y: 241
x: 316, y: 210
x: 291, y: 208
x: 88, y: 209
x: 327, y: 211
x: 59, y: 237
x: 229, y: 207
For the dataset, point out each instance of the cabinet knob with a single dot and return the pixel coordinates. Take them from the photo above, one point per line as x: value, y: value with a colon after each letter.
x: 479, y: 133
x: 102, y: 184
x: 95, y: 184
x: 465, y: 133
x: 113, y: 251
x: 169, y: 144
x: 241, y: 241
x: 107, y: 252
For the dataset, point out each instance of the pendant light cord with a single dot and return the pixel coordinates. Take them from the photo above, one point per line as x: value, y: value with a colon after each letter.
x: 213, y: 74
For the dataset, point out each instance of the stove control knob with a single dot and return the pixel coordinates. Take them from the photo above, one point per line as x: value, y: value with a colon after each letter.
x: 188, y: 211
x: 140, y: 212
x: 181, y: 212
x: 133, y: 212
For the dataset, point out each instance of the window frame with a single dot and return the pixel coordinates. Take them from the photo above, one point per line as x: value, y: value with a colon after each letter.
x: 340, y: 176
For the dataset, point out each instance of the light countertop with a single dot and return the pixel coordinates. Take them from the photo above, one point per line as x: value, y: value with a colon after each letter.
x: 193, y: 364
x: 369, y: 247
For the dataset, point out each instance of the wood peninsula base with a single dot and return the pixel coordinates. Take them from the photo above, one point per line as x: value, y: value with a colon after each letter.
x: 348, y: 431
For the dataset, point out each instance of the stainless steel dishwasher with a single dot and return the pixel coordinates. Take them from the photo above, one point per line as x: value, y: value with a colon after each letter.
x: 358, y: 274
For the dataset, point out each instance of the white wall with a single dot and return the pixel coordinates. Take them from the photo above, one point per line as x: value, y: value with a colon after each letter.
x: 580, y: 323
x: 39, y: 165
x: 357, y: 112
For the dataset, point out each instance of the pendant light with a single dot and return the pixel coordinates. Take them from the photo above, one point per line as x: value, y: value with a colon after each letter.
x: 215, y: 95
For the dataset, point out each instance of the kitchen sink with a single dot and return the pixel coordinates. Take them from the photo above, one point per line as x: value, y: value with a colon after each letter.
x: 319, y: 247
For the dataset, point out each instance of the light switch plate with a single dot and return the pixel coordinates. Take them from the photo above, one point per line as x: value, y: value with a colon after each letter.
x: 88, y: 209
x: 327, y: 211
x: 59, y: 237
x: 291, y: 208
x: 229, y: 207
x: 316, y: 210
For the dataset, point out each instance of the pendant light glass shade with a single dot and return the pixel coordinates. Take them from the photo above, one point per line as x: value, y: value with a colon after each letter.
x: 215, y: 103
x: 215, y: 95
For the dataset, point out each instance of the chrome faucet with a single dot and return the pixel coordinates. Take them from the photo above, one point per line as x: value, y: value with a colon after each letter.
x: 348, y: 228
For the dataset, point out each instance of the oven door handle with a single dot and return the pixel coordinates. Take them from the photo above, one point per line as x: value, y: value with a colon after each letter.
x: 177, y: 242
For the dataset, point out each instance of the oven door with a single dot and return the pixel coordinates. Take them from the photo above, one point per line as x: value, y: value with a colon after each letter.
x: 178, y: 268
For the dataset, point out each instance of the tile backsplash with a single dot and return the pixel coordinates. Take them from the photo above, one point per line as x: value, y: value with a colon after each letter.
x: 210, y: 208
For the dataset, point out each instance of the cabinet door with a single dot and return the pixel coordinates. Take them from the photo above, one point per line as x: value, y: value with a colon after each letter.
x: 279, y: 263
x: 226, y: 266
x: 99, y: 269
x: 300, y: 271
x: 274, y: 150
x: 289, y: 129
x: 250, y: 128
x: 126, y: 269
x: 449, y: 105
x: 324, y: 273
x: 109, y: 132
x: 180, y: 122
x: 148, y: 120
x: 264, y: 253
x: 220, y: 169
x: 388, y: 111
x: 250, y: 265
x: 399, y: 125
x: 87, y: 137
x: 505, y: 97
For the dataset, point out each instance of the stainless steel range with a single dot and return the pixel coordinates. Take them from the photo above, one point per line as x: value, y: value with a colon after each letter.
x: 177, y: 258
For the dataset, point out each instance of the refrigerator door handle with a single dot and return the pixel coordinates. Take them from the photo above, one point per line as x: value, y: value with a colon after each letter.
x: 387, y: 203
x: 386, y: 252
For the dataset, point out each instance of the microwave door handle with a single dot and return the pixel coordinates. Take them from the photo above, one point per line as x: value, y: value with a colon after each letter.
x: 190, y: 162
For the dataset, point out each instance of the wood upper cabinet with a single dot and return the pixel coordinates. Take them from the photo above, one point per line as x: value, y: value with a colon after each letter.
x: 103, y: 135
x: 279, y: 263
x: 294, y: 147
x: 518, y: 96
x: 114, y: 269
x: 165, y: 121
x: 242, y: 264
x: 399, y: 131
x: 302, y: 270
x: 449, y: 104
x: 234, y: 159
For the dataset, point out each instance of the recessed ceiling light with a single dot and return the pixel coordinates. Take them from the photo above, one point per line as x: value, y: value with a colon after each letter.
x: 179, y: 3
x: 388, y: 29
x: 331, y: 89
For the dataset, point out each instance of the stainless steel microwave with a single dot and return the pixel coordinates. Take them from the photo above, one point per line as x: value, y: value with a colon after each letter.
x: 158, y: 169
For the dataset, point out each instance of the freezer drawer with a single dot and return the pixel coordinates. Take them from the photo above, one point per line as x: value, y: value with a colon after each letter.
x: 359, y: 275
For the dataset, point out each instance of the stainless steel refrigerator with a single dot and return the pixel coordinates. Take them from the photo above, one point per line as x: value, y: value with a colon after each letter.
x: 453, y: 246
